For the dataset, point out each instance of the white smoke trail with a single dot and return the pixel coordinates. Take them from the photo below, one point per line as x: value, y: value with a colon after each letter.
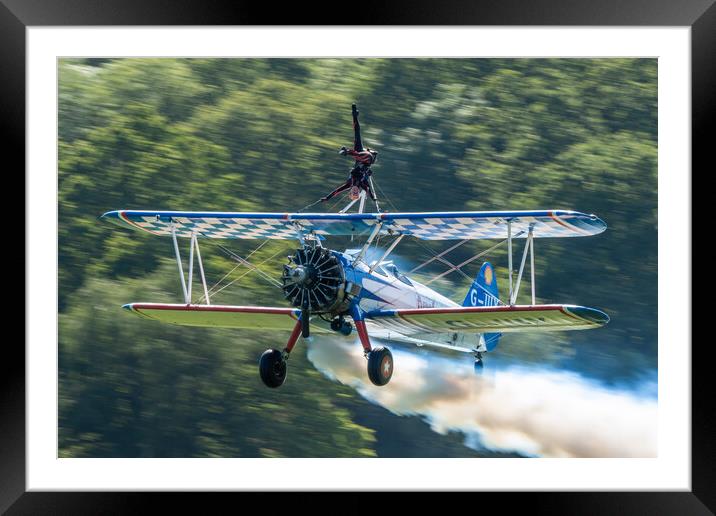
x: 530, y: 411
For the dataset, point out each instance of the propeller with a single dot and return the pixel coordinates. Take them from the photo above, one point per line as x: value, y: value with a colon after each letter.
x: 305, y: 317
x: 313, y: 281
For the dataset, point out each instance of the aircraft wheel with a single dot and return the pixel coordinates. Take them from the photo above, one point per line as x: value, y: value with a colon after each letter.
x: 347, y: 328
x: 479, y: 366
x: 380, y: 366
x: 340, y: 325
x: 272, y: 368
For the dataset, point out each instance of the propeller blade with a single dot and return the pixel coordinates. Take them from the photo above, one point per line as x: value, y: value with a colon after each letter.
x: 305, y: 316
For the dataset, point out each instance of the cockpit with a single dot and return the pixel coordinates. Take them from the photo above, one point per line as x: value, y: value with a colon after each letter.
x: 390, y: 269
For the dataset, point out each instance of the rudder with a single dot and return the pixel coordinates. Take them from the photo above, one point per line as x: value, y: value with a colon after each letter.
x: 484, y: 292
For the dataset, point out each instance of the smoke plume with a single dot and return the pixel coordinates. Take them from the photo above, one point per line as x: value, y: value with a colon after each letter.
x: 534, y: 412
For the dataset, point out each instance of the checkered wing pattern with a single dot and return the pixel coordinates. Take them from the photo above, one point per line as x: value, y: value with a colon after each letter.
x: 215, y: 227
x: 425, y: 226
x: 238, y: 225
x: 486, y: 225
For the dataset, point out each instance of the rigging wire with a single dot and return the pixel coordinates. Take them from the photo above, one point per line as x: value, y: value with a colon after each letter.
x: 244, y: 261
x: 253, y: 267
x: 338, y: 199
x: 251, y: 270
x: 457, y: 267
x: 333, y: 206
x: 436, y: 256
x: 384, y: 196
x: 308, y: 206
x: 216, y: 285
x: 439, y: 256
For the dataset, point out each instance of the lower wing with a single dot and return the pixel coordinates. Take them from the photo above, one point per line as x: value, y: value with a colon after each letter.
x: 219, y: 316
x: 472, y: 319
x: 406, y: 321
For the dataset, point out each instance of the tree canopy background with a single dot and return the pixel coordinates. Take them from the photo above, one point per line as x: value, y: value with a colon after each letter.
x: 263, y: 135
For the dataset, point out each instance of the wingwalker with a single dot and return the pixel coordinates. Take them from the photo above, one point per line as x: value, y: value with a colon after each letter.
x: 343, y: 292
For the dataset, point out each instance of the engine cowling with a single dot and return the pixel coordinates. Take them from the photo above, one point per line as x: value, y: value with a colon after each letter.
x: 314, y: 276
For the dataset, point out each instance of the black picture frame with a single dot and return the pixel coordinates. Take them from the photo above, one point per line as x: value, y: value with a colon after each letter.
x: 700, y: 15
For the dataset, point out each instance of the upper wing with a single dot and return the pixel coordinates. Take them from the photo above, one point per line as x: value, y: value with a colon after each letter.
x: 473, y: 319
x: 462, y: 225
x: 457, y: 225
x: 219, y: 316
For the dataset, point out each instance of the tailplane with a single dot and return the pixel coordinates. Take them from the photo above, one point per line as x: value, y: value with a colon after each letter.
x: 483, y: 292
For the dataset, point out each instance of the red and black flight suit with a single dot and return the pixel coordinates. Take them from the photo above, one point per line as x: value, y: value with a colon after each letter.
x: 364, y: 158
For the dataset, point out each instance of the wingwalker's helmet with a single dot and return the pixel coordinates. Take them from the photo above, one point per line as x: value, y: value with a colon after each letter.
x: 354, y: 193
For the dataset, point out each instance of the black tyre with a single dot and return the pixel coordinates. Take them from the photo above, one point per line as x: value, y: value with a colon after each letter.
x: 478, y: 366
x: 272, y: 368
x: 346, y: 329
x: 380, y: 366
x: 341, y: 326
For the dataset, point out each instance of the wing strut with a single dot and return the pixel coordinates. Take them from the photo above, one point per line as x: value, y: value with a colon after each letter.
x: 201, y: 269
x: 529, y: 248
x: 385, y: 254
x: 348, y: 206
x: 181, y: 268
x: 509, y: 256
x: 193, y: 243
x: 532, y: 267
x: 372, y: 188
x: 372, y: 236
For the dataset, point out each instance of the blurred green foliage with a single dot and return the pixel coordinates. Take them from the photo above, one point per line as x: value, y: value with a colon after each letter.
x: 263, y: 135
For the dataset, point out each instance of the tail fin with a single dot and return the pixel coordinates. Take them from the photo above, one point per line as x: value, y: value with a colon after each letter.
x: 483, y: 292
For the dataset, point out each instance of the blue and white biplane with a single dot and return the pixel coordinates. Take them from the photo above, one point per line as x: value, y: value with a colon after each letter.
x: 345, y: 291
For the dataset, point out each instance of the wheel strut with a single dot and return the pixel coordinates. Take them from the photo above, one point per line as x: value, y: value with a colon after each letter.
x: 272, y: 364
x: 478, y: 363
x: 292, y: 339
x: 363, y: 335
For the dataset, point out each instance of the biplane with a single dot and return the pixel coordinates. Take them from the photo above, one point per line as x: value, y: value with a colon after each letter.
x: 345, y: 292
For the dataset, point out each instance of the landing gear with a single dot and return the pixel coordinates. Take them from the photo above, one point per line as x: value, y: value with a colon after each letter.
x: 272, y: 368
x: 380, y: 359
x: 272, y: 364
x: 478, y: 363
x: 340, y: 325
x: 380, y: 365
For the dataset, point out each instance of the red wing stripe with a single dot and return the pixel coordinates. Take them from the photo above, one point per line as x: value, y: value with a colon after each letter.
x: 214, y: 308
x: 478, y: 309
x: 134, y: 224
x: 567, y: 225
